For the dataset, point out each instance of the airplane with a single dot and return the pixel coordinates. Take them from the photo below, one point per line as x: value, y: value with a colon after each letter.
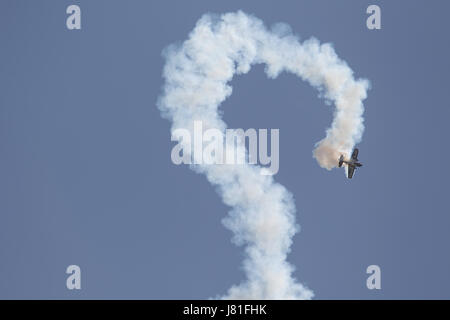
x: 352, y: 164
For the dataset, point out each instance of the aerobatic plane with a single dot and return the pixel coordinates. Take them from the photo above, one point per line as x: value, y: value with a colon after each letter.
x: 352, y: 164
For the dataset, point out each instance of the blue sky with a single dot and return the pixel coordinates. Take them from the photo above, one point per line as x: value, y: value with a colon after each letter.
x: 86, y: 176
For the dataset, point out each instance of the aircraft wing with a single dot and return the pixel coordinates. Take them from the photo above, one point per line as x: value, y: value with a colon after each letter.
x: 355, y: 154
x: 350, y: 171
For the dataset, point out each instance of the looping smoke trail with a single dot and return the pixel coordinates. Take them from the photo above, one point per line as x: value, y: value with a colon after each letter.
x: 196, y: 75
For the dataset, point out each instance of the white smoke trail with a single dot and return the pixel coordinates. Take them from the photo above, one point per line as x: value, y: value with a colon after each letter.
x: 197, y: 73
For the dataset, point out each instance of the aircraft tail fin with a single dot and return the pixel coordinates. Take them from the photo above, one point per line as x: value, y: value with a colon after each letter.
x: 341, y: 160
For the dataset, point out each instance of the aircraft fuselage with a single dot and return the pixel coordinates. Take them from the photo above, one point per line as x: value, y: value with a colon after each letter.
x: 353, y: 163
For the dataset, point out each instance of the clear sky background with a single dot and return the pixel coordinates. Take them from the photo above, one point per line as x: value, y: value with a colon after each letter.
x: 86, y: 176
